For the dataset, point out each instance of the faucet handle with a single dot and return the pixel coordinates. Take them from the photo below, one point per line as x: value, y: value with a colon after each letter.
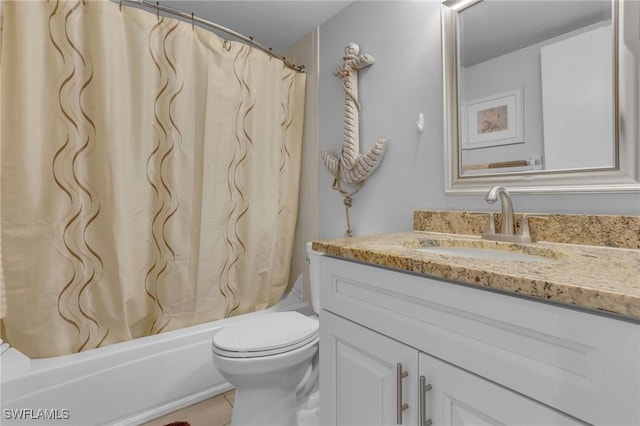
x: 524, y: 224
x: 491, y: 224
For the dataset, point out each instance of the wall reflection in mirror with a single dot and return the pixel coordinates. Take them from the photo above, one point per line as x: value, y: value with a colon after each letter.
x: 541, y: 96
x: 536, y: 86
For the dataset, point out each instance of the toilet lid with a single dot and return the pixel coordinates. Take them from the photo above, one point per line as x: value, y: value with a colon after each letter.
x: 267, y: 334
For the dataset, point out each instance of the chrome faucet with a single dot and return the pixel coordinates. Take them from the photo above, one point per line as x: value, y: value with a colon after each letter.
x: 507, y: 207
x: 507, y: 230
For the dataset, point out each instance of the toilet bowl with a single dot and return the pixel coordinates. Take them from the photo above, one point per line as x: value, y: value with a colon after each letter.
x: 265, y: 358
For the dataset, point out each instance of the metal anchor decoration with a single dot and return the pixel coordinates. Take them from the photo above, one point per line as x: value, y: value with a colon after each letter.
x: 352, y: 167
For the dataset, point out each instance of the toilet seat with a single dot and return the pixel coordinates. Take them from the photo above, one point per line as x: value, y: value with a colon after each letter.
x: 265, y: 335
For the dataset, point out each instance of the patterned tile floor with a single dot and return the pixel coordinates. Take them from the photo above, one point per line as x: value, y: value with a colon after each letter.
x: 214, y: 411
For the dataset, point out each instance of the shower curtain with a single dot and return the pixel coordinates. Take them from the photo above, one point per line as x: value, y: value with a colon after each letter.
x: 149, y: 175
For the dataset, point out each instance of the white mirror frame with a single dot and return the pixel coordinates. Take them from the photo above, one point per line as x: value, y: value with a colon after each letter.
x: 623, y: 177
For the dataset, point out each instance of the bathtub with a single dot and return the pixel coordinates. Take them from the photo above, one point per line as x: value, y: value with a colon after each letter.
x: 122, y: 384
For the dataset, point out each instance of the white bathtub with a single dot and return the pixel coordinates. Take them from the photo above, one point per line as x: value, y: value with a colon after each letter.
x: 122, y: 384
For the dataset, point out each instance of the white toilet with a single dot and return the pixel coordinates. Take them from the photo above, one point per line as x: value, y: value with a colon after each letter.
x: 266, y: 357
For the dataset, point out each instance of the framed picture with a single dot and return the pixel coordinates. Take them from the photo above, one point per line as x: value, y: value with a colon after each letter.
x: 492, y: 121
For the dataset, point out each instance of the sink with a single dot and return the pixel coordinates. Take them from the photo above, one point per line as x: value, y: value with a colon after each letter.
x: 485, y: 254
x: 476, y: 248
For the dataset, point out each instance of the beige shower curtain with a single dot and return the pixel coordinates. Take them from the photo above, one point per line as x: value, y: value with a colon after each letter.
x: 149, y: 175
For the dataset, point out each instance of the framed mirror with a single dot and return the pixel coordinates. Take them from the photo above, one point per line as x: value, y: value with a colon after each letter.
x: 541, y: 96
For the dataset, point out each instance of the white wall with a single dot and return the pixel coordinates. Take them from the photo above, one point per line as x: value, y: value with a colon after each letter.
x: 576, y: 79
x: 404, y: 38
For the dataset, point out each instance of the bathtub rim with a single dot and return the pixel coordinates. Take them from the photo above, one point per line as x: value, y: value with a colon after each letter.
x: 47, y: 370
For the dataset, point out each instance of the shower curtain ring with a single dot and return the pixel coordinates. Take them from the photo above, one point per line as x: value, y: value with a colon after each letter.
x: 226, y: 45
x: 158, y: 10
x: 193, y: 27
x: 120, y: 5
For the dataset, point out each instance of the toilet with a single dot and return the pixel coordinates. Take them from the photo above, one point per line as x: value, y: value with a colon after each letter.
x: 268, y: 358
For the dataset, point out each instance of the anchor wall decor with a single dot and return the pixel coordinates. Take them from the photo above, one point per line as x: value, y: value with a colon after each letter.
x: 352, y: 167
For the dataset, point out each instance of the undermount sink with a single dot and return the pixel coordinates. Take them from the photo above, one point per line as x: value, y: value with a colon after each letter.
x: 477, y: 248
x: 481, y: 253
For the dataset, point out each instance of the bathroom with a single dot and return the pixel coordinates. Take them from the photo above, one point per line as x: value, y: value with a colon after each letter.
x: 406, y: 80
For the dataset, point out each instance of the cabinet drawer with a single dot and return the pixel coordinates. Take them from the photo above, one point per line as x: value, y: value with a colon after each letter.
x: 571, y: 360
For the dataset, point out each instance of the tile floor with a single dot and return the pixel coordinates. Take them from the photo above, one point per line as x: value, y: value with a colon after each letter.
x: 214, y: 411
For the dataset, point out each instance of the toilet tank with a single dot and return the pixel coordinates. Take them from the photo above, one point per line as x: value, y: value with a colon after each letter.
x: 314, y: 277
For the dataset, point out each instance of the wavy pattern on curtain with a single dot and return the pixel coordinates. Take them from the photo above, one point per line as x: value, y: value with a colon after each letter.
x: 170, y: 85
x: 149, y: 175
x: 71, y: 178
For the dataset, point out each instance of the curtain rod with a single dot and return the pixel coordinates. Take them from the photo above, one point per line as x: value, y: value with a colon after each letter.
x: 191, y: 17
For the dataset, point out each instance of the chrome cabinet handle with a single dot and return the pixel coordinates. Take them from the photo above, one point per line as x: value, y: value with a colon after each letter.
x: 400, y: 407
x: 422, y: 402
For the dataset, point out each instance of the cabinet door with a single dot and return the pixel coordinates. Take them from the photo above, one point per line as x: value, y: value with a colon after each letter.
x: 458, y: 397
x: 359, y: 379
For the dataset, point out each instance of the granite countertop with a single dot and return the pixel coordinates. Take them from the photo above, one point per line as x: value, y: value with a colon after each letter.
x: 593, y: 277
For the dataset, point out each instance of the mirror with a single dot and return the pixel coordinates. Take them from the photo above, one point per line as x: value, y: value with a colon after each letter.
x: 541, y: 96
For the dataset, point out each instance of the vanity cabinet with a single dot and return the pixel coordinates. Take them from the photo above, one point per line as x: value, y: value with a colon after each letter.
x: 368, y: 369
x: 363, y: 389
x: 486, y: 357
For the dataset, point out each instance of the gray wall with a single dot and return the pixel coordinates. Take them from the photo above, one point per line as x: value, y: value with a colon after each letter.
x: 519, y: 69
x: 404, y: 38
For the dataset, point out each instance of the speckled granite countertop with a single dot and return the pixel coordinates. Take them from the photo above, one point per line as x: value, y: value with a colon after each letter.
x: 592, y: 277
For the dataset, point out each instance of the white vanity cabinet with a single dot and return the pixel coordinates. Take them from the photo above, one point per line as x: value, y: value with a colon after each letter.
x: 363, y: 385
x: 489, y: 358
